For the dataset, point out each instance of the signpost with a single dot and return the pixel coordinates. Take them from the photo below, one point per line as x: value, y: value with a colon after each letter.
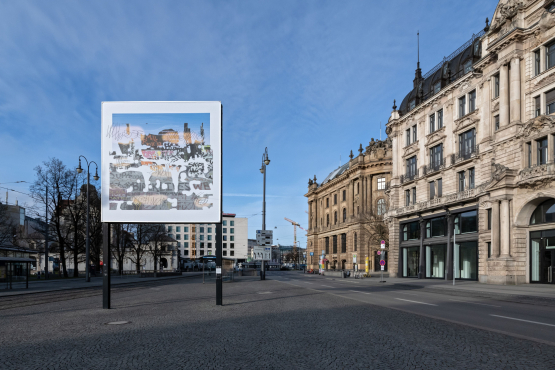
x: 383, y: 244
x: 382, y: 264
x: 264, y: 237
x: 262, y: 253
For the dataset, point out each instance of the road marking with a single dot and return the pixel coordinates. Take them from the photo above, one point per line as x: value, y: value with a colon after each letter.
x: 264, y: 292
x: 481, y: 304
x: 532, y: 322
x: 406, y: 293
x: 327, y: 286
x: 358, y: 291
x: 406, y: 300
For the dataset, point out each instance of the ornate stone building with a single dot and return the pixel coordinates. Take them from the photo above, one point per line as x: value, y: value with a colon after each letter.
x: 342, y: 202
x: 472, y: 190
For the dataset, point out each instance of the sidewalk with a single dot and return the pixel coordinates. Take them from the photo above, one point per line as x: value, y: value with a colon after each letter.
x: 38, y: 286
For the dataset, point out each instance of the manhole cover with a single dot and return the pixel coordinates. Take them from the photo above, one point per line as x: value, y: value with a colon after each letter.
x: 118, y: 323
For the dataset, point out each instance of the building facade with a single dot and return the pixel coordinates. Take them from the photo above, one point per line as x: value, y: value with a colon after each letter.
x: 472, y: 189
x: 340, y: 205
x: 197, y: 240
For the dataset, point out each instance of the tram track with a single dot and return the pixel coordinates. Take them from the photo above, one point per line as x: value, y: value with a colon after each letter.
x: 37, y: 298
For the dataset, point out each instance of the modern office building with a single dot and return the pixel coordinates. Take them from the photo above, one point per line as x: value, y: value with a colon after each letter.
x: 196, y: 240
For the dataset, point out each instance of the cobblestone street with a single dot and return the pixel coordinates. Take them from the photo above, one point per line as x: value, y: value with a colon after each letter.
x: 263, y: 324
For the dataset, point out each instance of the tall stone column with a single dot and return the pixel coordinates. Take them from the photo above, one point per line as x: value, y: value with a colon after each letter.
x: 495, y: 228
x: 504, y: 96
x: 484, y: 130
x: 505, y: 228
x: 515, y: 90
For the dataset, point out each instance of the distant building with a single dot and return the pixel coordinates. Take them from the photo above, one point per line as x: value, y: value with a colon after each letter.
x: 197, y: 240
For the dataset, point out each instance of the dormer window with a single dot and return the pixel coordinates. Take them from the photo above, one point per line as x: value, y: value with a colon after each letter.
x: 468, y: 66
x: 551, y: 8
x: 437, y: 87
x: 412, y: 104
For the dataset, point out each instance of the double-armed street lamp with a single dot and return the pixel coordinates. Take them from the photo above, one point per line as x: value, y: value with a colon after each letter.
x: 95, y: 177
x: 265, y: 162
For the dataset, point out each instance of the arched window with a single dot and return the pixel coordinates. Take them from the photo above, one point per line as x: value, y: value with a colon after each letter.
x: 344, y: 214
x: 355, y: 242
x: 381, y: 207
x: 335, y: 218
x: 545, y: 212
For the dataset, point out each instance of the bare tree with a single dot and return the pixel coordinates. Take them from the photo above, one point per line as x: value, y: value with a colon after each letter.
x: 60, y: 182
x: 158, y: 242
x: 122, y: 244
x: 7, y: 225
x: 140, y: 246
x: 373, y: 229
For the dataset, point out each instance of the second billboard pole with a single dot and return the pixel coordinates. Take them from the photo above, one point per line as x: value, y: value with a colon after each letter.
x: 219, y: 259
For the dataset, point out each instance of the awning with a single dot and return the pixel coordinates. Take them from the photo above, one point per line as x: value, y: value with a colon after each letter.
x: 16, y: 259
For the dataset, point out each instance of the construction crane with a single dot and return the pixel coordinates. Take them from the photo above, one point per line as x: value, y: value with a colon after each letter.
x: 295, y: 224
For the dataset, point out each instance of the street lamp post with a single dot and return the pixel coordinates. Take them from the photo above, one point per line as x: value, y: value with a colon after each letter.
x: 265, y: 162
x: 95, y: 177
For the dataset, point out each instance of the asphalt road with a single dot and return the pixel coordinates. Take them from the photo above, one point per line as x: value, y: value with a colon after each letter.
x: 532, y: 322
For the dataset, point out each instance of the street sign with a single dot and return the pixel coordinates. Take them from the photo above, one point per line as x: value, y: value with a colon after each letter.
x: 379, y: 252
x: 312, y: 253
x: 264, y: 237
x: 262, y: 253
x: 383, y: 268
x: 383, y: 244
x: 382, y: 263
x: 354, y: 258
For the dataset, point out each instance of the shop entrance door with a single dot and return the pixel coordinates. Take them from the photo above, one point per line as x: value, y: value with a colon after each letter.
x: 411, y: 261
x: 542, y: 260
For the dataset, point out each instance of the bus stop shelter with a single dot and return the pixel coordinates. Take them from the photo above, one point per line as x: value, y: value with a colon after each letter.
x: 14, y: 270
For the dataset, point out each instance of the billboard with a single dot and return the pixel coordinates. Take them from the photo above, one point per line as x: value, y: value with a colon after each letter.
x: 161, y: 162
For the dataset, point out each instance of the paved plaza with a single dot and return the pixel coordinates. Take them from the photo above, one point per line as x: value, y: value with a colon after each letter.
x: 263, y: 324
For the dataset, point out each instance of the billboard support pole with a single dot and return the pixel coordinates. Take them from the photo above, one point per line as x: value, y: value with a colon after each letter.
x: 219, y: 259
x: 106, y: 257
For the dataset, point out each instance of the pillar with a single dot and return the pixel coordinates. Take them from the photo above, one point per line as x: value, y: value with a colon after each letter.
x: 515, y: 90
x: 505, y: 218
x: 485, y: 129
x: 449, y: 257
x: 422, y: 262
x: 495, y: 227
x: 504, y: 96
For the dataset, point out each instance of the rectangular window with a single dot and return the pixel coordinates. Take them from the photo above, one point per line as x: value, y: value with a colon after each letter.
x: 327, y: 202
x: 432, y: 185
x: 209, y: 230
x: 466, y: 222
x: 550, y: 102
x: 436, y: 156
x: 186, y: 229
x: 202, y: 229
x: 232, y: 253
x: 178, y: 237
x: 412, y: 104
x: 177, y: 229
x: 467, y: 143
x: 437, y: 87
x: 186, y: 244
x: 536, y: 62
x: 439, y: 187
x: 224, y: 253
x: 496, y: 122
x: 232, y: 231
x: 231, y: 238
x: 432, y: 123
x: 408, y: 137
x: 495, y: 86
x: 411, y: 167
x: 529, y: 154
x: 344, y: 195
x: 209, y: 237
x: 467, y: 66
x: 225, y: 223
x: 327, y: 244
x: 542, y: 150
x: 186, y: 237
x: 202, y: 237
x: 225, y: 245
x: 169, y: 229
x: 231, y: 245
x: 334, y: 245
x: 489, y: 219
x: 407, y: 198
x: 462, y: 106
x: 334, y: 198
x: 225, y: 230
x: 413, y: 195
x: 411, y: 231
x: 537, y: 106
x: 225, y: 237
x: 471, y: 178
x: 489, y: 249
x: 439, y: 119
x: 435, y: 227
x: 472, y: 101
x: 550, y: 55
x: 202, y: 244
x: 209, y: 245
x: 461, y: 181
x: 414, y: 135
x: 231, y: 223
x: 381, y: 183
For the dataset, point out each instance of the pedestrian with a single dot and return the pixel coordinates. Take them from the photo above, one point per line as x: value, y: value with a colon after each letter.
x: 39, y: 275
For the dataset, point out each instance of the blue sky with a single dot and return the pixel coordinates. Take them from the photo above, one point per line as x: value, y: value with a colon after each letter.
x: 310, y: 80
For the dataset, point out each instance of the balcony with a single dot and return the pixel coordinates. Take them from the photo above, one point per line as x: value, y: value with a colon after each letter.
x: 434, y: 167
x: 464, y: 155
x: 409, y: 176
x: 446, y: 200
x: 537, y: 172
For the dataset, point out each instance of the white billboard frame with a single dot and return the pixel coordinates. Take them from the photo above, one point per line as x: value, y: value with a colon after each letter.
x: 211, y: 214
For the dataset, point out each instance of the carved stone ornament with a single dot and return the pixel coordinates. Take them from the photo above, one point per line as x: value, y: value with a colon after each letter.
x: 411, y: 149
x: 466, y: 121
x: 388, y: 130
x: 537, y: 124
x: 485, y: 205
x: 497, y: 171
x: 374, y: 145
x: 495, y: 106
x: 547, y: 21
x: 545, y: 81
x: 507, y: 11
x: 537, y: 40
x: 435, y: 137
x: 537, y: 184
